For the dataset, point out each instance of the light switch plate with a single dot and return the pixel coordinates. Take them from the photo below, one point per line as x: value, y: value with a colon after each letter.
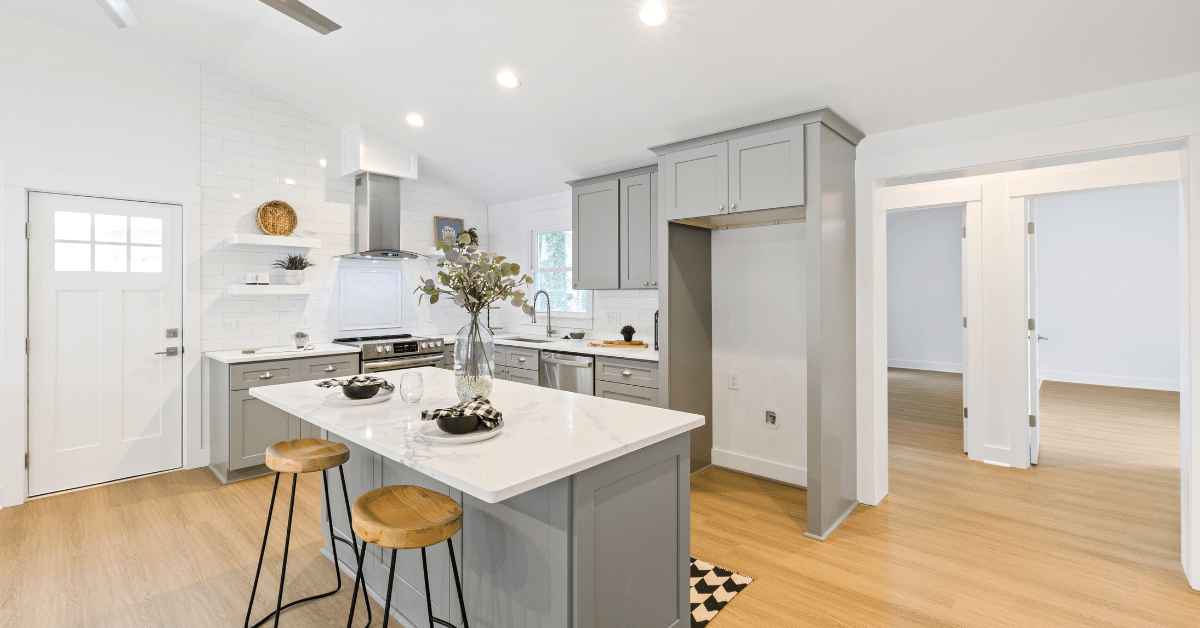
x: 614, y: 318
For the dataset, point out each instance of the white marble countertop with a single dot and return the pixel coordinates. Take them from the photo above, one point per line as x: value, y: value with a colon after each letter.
x: 548, y: 434
x: 279, y: 353
x: 574, y: 346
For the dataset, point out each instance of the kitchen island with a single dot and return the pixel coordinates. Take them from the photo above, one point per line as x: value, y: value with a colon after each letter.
x: 576, y: 514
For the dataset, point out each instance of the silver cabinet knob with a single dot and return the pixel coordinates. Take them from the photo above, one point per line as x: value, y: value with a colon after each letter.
x: 331, y: 368
x: 733, y: 206
x: 520, y: 359
x: 266, y: 375
x: 627, y: 373
x: 720, y: 208
x: 654, y: 283
x: 645, y: 283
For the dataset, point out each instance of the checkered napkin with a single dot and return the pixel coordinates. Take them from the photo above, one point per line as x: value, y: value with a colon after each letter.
x: 357, y: 380
x: 480, y: 407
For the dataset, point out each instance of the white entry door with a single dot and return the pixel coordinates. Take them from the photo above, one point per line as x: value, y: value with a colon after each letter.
x: 105, y: 296
x: 1035, y: 379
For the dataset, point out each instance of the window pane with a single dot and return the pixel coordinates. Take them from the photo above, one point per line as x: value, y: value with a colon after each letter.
x: 553, y: 250
x: 72, y: 226
x: 111, y: 258
x: 562, y: 297
x: 145, y: 259
x: 69, y: 256
x: 111, y: 228
x: 145, y: 230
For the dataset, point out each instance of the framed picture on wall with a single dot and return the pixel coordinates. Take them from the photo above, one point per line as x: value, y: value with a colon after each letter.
x: 442, y: 226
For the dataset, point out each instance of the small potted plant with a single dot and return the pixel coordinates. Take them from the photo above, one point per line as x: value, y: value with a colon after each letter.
x: 294, y: 267
x: 627, y: 332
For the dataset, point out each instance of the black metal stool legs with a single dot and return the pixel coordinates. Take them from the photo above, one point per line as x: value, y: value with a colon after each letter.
x: 387, y: 601
x: 279, y: 606
x: 360, y: 557
x: 462, y: 604
x: 358, y: 580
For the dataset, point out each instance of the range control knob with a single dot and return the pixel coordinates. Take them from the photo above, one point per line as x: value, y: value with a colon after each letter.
x: 387, y: 347
x: 378, y: 349
x: 423, y: 345
x: 439, y: 343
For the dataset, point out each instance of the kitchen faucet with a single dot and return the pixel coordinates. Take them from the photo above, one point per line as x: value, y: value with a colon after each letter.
x: 549, y: 330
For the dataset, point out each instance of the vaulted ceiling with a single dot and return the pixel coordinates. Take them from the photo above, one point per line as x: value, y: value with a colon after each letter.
x: 598, y: 87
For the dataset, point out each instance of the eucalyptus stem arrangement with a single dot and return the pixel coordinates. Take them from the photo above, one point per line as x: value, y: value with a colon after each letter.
x: 474, y: 279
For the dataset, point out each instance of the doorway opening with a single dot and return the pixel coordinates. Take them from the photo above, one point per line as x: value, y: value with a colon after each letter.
x: 926, y: 335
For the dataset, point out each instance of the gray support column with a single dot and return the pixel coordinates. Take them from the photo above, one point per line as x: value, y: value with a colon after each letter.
x: 832, y: 446
x: 685, y: 331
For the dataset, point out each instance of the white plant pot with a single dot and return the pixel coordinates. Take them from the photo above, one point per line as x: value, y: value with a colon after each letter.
x: 295, y: 277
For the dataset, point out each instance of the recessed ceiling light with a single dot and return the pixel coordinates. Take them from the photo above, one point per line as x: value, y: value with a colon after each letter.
x: 508, y: 79
x: 415, y: 120
x: 654, y: 13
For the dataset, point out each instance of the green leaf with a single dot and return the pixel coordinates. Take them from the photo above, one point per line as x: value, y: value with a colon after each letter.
x: 464, y: 239
x: 433, y: 298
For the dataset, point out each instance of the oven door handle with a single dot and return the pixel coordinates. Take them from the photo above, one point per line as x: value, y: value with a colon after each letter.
x: 376, y: 366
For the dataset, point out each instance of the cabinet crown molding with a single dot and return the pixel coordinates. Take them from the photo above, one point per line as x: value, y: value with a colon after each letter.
x: 824, y: 115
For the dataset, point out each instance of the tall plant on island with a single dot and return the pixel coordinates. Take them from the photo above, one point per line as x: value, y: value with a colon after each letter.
x: 474, y: 279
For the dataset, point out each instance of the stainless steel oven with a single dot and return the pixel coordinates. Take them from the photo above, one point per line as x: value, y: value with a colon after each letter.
x: 395, y: 353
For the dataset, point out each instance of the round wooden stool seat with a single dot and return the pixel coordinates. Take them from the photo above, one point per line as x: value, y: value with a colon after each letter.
x: 306, y: 455
x: 405, y: 517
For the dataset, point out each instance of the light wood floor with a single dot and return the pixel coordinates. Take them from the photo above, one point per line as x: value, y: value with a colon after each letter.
x: 1088, y: 538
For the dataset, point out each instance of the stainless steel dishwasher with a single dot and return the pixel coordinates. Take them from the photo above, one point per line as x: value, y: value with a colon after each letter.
x: 567, y: 371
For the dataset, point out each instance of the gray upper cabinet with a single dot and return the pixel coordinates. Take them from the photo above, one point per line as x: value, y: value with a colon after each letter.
x: 595, y: 220
x: 767, y: 170
x: 639, y: 231
x: 695, y: 182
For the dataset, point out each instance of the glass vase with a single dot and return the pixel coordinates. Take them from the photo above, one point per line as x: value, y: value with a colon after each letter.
x: 474, y: 360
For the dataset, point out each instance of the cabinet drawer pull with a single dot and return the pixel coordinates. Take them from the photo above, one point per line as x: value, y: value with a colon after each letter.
x: 627, y: 373
x: 331, y: 368
x: 520, y: 359
x: 266, y: 375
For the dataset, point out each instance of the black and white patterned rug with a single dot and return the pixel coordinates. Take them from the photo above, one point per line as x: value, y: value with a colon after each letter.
x: 712, y: 588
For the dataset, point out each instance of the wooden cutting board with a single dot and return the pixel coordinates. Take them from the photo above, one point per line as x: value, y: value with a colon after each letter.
x: 635, y: 344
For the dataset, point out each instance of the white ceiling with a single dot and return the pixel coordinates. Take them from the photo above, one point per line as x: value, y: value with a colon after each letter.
x: 598, y: 88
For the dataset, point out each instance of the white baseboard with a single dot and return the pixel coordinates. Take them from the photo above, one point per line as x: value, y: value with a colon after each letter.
x: 1111, y: 380
x: 759, y: 467
x: 944, y: 367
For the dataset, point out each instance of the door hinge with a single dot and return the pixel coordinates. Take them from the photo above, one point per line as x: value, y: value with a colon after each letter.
x: 964, y: 322
x: 964, y: 413
x: 1031, y: 228
x: 964, y: 232
x: 1032, y: 325
x: 26, y: 231
x: 1032, y: 421
x: 26, y: 346
x: 27, y: 460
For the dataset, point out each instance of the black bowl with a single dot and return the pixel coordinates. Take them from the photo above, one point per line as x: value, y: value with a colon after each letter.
x: 365, y: 391
x: 458, y: 424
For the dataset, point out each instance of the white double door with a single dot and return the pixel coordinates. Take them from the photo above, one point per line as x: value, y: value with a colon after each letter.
x: 105, y: 306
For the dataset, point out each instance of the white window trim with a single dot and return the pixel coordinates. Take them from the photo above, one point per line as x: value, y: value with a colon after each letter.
x: 533, y: 233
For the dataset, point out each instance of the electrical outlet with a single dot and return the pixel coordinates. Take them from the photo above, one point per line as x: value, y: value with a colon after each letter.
x: 614, y: 318
x: 230, y: 324
x: 304, y: 322
x: 771, y: 421
x: 733, y: 380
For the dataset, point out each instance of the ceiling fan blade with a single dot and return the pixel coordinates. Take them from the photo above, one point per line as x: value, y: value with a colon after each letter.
x: 119, y: 12
x: 301, y: 13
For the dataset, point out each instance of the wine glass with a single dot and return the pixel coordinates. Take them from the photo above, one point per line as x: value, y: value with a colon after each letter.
x: 411, y: 387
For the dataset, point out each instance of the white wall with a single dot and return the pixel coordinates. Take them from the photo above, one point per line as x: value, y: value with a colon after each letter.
x: 79, y: 103
x: 256, y: 148
x: 1108, y: 287
x: 760, y: 333
x: 510, y: 225
x: 924, y: 275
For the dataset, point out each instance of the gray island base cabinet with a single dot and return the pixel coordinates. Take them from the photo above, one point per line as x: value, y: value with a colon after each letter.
x: 575, y: 515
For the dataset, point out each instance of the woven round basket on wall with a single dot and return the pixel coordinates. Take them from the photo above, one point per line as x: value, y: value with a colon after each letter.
x: 276, y: 218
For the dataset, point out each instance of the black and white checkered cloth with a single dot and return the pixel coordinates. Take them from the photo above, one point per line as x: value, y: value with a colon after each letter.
x: 478, y: 406
x: 357, y: 380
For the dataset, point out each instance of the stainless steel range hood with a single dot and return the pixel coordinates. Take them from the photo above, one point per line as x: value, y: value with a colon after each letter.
x: 377, y: 207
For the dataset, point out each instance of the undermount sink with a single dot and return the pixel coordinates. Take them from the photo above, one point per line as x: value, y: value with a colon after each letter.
x: 518, y: 339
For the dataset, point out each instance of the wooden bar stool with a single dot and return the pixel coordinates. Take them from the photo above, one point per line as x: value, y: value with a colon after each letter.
x: 305, y: 455
x: 407, y: 517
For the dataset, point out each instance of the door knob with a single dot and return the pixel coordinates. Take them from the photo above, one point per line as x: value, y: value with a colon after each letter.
x: 169, y: 351
x: 1040, y: 337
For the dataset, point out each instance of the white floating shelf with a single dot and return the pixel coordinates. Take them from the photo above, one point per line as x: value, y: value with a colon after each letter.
x: 260, y: 239
x: 248, y: 290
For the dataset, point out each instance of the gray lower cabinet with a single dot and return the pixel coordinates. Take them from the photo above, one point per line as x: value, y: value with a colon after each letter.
x: 635, y: 381
x: 614, y: 219
x: 517, y: 364
x: 242, y: 427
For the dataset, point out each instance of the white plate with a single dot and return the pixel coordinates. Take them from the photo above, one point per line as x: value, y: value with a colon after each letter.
x: 336, y: 398
x: 430, y: 432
